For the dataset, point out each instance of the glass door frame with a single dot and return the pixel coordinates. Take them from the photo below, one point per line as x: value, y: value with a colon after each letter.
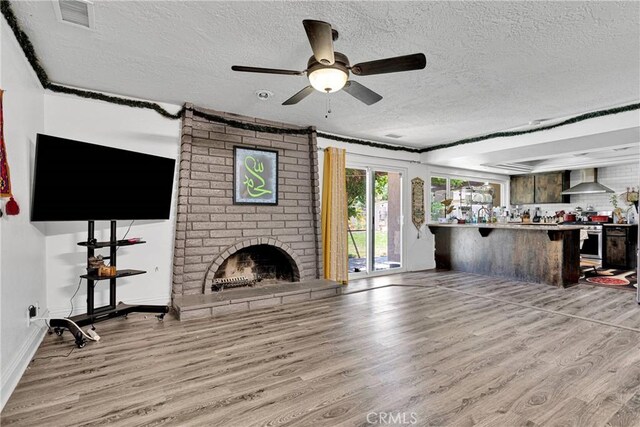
x: 370, y: 169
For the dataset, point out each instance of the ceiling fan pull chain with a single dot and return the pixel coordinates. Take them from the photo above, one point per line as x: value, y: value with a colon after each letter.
x: 328, y: 106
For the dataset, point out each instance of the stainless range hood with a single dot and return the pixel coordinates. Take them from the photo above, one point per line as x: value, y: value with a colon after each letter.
x: 589, y: 184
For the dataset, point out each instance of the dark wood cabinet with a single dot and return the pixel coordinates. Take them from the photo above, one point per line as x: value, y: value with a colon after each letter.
x: 549, y: 186
x: 619, y: 247
x: 539, y: 188
x: 522, y: 189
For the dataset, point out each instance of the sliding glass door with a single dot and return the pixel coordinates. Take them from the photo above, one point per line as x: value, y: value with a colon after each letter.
x: 358, y: 219
x: 374, y: 199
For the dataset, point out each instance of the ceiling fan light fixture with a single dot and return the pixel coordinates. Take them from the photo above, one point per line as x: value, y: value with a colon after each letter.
x: 328, y: 79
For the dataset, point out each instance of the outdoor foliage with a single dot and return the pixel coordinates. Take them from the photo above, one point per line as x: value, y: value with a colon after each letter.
x: 357, y: 190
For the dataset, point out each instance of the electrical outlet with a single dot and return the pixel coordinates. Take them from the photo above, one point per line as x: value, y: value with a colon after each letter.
x: 32, y: 311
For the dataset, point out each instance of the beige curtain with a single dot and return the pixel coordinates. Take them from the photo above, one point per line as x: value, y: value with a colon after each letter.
x: 334, y: 216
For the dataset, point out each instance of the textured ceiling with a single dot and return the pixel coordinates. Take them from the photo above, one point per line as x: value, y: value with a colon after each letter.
x: 490, y: 65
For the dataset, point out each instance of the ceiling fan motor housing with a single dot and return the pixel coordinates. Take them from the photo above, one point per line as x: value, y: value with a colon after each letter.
x: 342, y: 63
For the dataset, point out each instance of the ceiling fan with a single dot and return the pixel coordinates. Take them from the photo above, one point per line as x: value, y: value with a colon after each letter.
x: 328, y: 71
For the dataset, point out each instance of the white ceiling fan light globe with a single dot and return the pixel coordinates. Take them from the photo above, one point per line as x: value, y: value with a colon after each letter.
x: 328, y: 80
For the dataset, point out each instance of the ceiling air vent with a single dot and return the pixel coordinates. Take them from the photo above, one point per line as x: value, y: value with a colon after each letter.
x: 74, y: 12
x: 511, y: 167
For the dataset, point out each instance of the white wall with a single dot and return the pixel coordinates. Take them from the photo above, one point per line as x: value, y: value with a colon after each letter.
x: 121, y: 127
x: 22, y: 245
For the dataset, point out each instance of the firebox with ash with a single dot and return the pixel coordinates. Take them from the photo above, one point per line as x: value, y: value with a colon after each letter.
x: 259, y: 263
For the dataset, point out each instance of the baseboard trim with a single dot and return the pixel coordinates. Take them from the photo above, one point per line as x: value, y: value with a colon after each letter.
x: 16, y: 368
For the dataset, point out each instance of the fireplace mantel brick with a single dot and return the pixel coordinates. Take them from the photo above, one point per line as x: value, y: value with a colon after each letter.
x: 210, y: 228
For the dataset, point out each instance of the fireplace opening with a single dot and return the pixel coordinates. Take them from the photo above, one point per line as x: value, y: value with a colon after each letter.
x: 264, y: 264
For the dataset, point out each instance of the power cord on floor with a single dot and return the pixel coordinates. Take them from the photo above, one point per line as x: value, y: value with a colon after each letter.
x: 51, y: 357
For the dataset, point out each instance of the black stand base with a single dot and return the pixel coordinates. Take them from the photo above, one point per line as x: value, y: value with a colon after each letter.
x: 100, y: 314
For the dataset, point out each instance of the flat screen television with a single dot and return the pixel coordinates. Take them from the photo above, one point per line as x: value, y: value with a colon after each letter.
x: 78, y: 181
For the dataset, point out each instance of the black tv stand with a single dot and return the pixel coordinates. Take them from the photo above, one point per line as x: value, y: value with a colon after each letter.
x: 113, y: 309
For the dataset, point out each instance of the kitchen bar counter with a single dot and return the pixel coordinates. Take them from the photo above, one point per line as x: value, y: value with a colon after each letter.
x: 540, y: 253
x: 512, y: 225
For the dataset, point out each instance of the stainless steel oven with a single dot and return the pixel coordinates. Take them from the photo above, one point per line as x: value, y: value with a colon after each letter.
x: 592, y: 246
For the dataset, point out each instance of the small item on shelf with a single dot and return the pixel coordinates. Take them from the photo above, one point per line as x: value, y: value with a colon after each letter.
x: 94, y: 263
x: 617, y: 211
x: 537, y: 215
x: 631, y: 195
x: 107, y: 271
x: 134, y: 239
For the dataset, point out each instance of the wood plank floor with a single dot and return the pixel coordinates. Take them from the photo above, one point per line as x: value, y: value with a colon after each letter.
x: 438, y: 348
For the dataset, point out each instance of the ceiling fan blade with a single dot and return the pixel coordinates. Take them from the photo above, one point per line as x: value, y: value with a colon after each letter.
x: 299, y: 96
x: 266, y: 70
x: 321, y: 39
x: 417, y: 61
x: 361, y: 93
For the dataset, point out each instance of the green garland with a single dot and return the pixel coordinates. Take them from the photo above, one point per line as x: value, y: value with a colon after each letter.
x: 292, y: 131
x: 250, y: 126
x: 572, y: 120
x: 369, y: 143
x: 116, y: 100
x: 24, y: 42
x: 29, y: 52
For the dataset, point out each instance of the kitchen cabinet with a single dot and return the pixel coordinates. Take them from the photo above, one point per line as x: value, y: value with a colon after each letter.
x: 619, y: 247
x: 539, y: 188
x: 521, y: 189
x: 548, y: 187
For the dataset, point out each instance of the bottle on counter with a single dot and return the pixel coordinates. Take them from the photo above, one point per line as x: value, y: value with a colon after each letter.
x: 536, y: 215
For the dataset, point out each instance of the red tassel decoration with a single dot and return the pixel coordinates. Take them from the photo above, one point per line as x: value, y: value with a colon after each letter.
x: 12, y: 207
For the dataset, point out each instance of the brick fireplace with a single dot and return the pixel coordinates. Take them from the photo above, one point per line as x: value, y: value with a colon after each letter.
x: 214, y: 237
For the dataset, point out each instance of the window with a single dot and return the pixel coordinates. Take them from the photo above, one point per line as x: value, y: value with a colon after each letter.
x: 463, y: 197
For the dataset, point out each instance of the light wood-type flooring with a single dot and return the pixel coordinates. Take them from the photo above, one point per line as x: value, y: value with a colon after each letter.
x: 432, y: 348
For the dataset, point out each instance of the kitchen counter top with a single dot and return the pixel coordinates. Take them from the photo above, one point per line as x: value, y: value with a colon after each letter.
x: 618, y: 225
x: 512, y: 226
